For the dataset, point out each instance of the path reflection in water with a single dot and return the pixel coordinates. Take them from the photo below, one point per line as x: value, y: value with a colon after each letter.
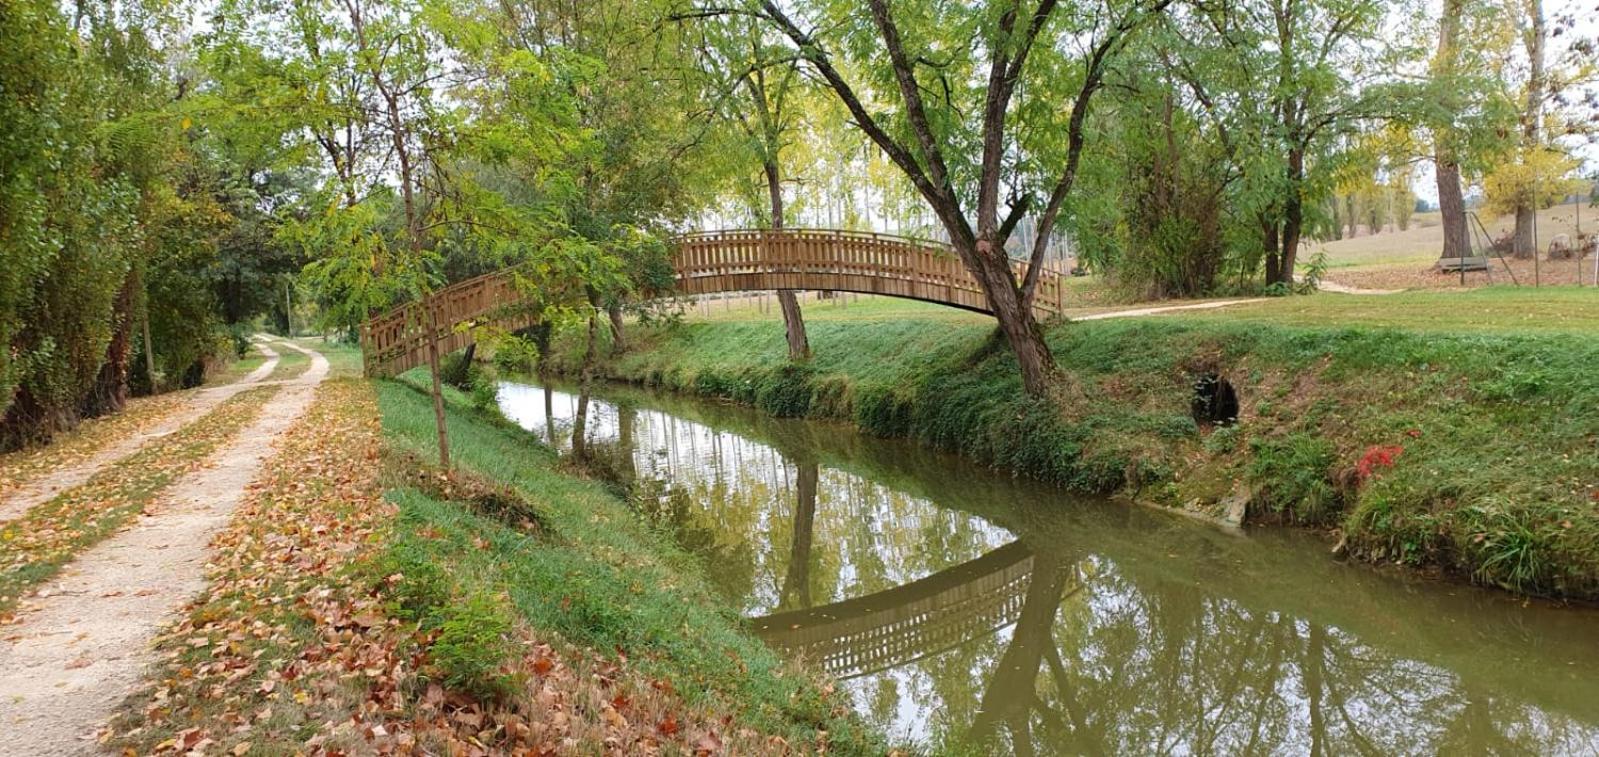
x: 961, y: 605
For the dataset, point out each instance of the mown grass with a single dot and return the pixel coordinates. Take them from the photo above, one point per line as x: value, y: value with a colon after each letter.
x: 595, y: 574
x: 34, y: 547
x: 1506, y: 310
x: 1497, y: 435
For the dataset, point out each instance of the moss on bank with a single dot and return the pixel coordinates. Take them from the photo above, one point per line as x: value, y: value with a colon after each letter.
x: 576, y: 561
x: 1478, y: 455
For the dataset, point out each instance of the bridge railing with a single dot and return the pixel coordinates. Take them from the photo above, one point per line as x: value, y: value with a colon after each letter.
x: 396, y: 341
x: 706, y: 262
x: 777, y: 259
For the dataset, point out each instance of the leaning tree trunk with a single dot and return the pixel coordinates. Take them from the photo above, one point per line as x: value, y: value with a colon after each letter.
x: 799, y: 346
x: 1016, y: 320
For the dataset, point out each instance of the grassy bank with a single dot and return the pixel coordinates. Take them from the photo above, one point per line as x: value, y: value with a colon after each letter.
x: 1471, y: 453
x: 571, y: 560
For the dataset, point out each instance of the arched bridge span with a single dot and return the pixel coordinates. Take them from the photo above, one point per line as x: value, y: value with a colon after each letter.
x: 712, y: 262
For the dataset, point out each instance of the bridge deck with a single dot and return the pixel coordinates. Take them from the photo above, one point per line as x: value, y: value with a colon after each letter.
x: 711, y: 262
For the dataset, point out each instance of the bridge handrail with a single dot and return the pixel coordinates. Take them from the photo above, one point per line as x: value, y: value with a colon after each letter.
x: 717, y: 261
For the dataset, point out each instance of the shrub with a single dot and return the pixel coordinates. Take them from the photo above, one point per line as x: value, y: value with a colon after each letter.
x: 473, y: 642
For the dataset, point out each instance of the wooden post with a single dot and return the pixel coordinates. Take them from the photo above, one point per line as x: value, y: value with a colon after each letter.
x: 438, y: 387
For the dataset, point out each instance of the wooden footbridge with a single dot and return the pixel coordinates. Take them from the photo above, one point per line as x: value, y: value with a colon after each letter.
x: 706, y: 263
x: 868, y: 634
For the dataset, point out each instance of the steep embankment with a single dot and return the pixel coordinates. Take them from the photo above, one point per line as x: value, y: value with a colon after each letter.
x: 1476, y: 455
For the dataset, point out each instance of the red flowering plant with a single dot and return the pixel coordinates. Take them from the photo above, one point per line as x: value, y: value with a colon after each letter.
x: 1376, y: 458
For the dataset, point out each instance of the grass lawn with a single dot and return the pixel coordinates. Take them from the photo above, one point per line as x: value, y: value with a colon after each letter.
x: 1495, y: 310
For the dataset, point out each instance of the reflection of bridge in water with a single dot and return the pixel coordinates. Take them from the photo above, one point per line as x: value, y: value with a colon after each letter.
x: 879, y: 631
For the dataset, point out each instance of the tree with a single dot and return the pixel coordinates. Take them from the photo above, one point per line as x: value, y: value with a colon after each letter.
x: 1319, y: 65
x: 768, y: 80
x: 927, y: 47
x: 1446, y: 161
x: 1535, y: 37
x: 99, y: 191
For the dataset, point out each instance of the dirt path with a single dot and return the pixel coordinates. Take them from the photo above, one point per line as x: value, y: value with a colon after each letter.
x: 1337, y: 288
x: 203, y: 401
x: 81, y: 646
x: 1140, y: 312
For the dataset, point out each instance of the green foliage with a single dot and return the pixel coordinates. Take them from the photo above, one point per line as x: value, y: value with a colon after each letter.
x: 472, y: 645
x: 1536, y: 178
x: 786, y: 392
x: 471, y: 640
x: 1293, y: 476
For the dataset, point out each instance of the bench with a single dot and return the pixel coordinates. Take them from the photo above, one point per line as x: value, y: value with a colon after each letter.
x: 1455, y: 265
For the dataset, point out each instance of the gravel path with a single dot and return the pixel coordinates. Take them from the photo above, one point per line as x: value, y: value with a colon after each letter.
x: 80, y: 646
x: 203, y: 401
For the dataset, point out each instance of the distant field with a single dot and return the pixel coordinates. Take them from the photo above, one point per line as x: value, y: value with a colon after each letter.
x: 1403, y: 259
x: 1424, y: 240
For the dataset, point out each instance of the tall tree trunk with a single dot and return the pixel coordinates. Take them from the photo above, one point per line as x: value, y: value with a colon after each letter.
x: 580, y: 423
x: 144, y: 325
x: 1523, y: 244
x: 1271, y: 241
x: 1452, y: 205
x: 1016, y: 320
x: 618, y: 338
x: 549, y: 412
x: 1293, y: 216
x: 1451, y: 200
x: 799, y: 345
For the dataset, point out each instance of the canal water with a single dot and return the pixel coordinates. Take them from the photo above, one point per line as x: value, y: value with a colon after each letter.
x: 956, y: 604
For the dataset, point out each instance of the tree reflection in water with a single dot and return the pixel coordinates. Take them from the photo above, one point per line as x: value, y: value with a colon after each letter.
x: 1132, y: 632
